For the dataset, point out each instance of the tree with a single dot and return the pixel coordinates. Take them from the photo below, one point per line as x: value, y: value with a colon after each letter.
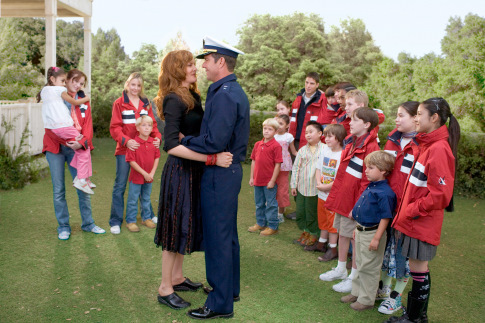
x: 280, y: 51
x: 352, y: 51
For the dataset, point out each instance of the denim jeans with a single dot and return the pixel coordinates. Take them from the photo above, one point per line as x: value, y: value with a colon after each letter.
x: 57, y: 168
x: 119, y: 188
x: 266, y: 206
x: 135, y: 192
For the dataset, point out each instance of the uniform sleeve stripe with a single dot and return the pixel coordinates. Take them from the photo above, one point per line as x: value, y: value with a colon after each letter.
x: 293, y: 119
x: 314, y: 118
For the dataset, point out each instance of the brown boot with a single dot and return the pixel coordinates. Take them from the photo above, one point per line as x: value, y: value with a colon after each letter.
x: 331, y: 254
x: 319, y: 246
x: 303, y: 236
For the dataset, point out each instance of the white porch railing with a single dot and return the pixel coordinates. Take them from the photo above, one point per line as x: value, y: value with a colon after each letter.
x: 28, y: 112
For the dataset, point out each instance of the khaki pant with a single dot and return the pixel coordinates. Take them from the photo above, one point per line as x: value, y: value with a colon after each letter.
x: 369, y: 264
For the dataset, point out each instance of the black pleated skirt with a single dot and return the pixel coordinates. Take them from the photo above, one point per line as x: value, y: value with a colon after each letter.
x: 179, y: 227
x: 417, y: 249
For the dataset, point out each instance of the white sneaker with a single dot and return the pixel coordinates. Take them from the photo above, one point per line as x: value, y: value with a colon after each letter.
x: 97, y: 230
x: 281, y: 218
x: 91, y: 184
x: 82, y: 185
x: 334, y: 274
x: 345, y: 286
x: 391, y: 304
x: 155, y: 219
x: 64, y: 235
x: 115, y: 229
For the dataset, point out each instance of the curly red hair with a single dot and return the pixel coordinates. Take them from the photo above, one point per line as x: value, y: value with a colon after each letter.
x: 172, y: 74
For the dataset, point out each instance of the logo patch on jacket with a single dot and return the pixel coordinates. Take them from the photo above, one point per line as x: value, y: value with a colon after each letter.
x: 441, y: 181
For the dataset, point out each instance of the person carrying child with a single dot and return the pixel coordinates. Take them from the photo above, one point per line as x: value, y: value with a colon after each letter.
x: 399, y: 144
x: 428, y: 191
x: 372, y: 213
x: 265, y: 167
x: 286, y: 140
x: 304, y: 185
x: 144, y: 163
x: 346, y: 190
x: 327, y: 166
x: 63, y: 122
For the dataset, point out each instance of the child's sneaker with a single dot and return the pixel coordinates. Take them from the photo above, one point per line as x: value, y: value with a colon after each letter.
x: 268, y: 232
x: 155, y: 219
x: 391, y: 304
x: 64, y: 235
x: 281, y: 218
x: 82, y: 185
x: 115, y: 229
x: 91, y: 184
x: 334, y: 274
x: 149, y: 223
x: 256, y: 228
x: 345, y: 286
x: 97, y: 230
x: 384, y: 292
x: 132, y: 227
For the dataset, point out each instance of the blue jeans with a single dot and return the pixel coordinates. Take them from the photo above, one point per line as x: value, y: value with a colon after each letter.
x: 57, y: 169
x: 135, y: 192
x: 266, y: 206
x: 119, y: 188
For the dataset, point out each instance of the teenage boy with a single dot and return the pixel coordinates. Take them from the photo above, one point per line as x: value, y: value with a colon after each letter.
x: 265, y: 167
x: 372, y: 212
x: 144, y: 163
x: 304, y: 185
x: 347, y: 188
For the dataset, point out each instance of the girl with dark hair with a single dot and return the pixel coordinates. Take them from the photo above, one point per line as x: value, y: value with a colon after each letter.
x: 63, y: 122
x: 395, y: 265
x: 428, y: 191
x: 179, y: 229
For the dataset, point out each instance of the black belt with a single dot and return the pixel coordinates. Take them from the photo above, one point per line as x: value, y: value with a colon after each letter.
x: 361, y: 228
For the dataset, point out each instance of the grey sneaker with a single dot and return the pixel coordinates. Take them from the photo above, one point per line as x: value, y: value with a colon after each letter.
x: 97, y: 230
x: 64, y: 235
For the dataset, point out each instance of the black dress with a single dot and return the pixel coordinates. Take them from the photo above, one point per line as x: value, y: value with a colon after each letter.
x: 179, y: 227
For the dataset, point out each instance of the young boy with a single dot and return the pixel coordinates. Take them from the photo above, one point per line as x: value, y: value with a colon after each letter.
x: 372, y: 213
x: 358, y: 99
x: 304, y: 185
x: 347, y: 188
x: 327, y: 166
x: 265, y: 167
x: 143, y: 162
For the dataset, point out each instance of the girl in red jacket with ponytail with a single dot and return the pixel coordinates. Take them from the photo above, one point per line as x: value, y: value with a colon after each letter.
x: 428, y: 191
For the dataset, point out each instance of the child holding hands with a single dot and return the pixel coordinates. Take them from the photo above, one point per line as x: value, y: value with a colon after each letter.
x: 144, y: 163
x: 265, y: 167
x: 372, y: 214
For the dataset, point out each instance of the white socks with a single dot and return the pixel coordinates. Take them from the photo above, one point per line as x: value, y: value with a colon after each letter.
x: 341, y: 265
x: 321, y: 239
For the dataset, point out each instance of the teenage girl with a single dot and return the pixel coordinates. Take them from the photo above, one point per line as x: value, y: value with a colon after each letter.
x: 428, y: 191
x: 64, y: 123
x: 395, y: 265
x: 286, y: 140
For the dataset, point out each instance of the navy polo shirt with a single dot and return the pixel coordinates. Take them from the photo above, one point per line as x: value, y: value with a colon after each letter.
x: 225, y: 126
x: 378, y: 201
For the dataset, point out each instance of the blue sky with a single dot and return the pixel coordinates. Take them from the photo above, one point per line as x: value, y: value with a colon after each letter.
x: 412, y: 26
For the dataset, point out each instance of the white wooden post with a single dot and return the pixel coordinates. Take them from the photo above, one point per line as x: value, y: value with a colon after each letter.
x: 87, y: 53
x: 50, y: 33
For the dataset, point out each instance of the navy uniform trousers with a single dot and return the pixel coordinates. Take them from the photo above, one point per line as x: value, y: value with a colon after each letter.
x: 219, y: 198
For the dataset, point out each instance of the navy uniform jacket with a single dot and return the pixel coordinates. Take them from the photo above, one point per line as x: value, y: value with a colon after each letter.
x: 225, y: 126
x: 377, y: 202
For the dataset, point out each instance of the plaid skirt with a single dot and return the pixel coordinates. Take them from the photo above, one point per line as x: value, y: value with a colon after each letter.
x: 416, y: 249
x: 179, y: 227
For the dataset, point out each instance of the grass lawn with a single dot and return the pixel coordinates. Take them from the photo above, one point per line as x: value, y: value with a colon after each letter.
x: 108, y: 278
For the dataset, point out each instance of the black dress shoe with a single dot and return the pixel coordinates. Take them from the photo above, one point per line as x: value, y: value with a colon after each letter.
x: 173, y: 301
x: 187, y: 286
x: 208, y: 289
x: 205, y: 313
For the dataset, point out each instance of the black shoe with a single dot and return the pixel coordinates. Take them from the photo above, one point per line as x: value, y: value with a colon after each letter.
x: 291, y: 216
x: 187, y: 286
x: 173, y: 301
x: 208, y: 289
x: 205, y: 313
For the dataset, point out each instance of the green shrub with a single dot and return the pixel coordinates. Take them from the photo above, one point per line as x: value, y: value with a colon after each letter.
x: 16, y: 169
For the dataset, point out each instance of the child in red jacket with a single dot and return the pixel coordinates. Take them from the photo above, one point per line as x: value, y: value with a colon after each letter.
x: 428, y: 191
x: 347, y: 188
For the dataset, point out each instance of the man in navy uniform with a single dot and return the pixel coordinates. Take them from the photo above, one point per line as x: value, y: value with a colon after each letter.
x: 225, y: 127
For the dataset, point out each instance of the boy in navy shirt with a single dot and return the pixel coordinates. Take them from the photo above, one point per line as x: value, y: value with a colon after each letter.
x: 265, y: 167
x: 372, y: 212
x: 143, y: 162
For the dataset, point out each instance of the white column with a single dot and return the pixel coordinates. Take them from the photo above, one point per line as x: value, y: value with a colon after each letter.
x: 50, y: 33
x: 87, y: 53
